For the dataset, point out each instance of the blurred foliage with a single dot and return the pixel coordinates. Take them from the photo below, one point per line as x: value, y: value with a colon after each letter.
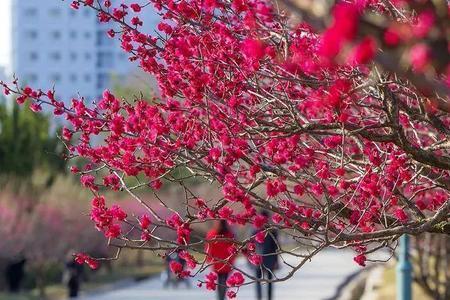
x: 135, y: 87
x: 27, y: 143
x: 132, y: 266
x: 387, y: 289
x: 44, y: 225
x: 43, y: 212
x: 181, y: 173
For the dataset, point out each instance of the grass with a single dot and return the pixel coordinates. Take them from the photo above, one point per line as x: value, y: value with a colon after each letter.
x: 387, y: 290
x: 4, y: 296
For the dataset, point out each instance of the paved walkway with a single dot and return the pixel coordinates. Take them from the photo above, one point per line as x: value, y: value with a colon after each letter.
x: 316, y: 280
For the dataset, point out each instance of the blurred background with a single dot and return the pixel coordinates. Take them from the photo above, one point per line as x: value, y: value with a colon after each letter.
x: 44, y: 211
x: 44, y: 214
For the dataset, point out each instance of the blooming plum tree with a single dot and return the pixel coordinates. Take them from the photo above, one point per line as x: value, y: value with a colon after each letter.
x: 338, y: 124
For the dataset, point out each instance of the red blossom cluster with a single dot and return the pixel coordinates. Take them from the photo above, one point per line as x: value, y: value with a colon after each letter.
x: 104, y: 218
x: 181, y: 271
x: 236, y: 279
x: 338, y: 125
x: 82, y: 258
x: 210, y: 280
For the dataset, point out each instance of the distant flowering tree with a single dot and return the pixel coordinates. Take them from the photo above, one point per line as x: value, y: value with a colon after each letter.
x: 42, y: 224
x: 338, y: 124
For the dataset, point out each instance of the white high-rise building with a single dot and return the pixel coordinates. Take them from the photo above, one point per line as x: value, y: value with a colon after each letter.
x: 3, y: 75
x: 53, y: 45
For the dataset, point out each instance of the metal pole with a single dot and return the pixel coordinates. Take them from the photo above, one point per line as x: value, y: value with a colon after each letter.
x: 404, y: 269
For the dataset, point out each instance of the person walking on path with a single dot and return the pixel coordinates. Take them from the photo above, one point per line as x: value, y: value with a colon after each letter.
x: 72, y: 277
x: 268, y: 249
x: 170, y: 277
x: 15, y: 274
x: 218, y: 250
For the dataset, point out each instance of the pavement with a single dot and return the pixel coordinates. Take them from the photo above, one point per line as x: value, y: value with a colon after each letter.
x: 319, y: 279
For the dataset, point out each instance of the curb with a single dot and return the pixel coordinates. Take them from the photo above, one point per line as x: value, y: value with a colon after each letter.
x: 357, y: 279
x: 373, y: 283
x: 117, y: 285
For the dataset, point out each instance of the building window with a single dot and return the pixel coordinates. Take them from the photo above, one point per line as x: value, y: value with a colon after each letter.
x: 55, y: 77
x: 87, y: 77
x: 34, y: 56
x: 102, y: 80
x: 56, y: 35
x: 30, y: 12
x: 73, y: 77
x: 87, y: 13
x: 73, y: 56
x: 73, y: 34
x: 87, y: 35
x: 103, y: 39
x: 54, y: 12
x: 87, y: 56
x: 31, y: 78
x: 104, y: 59
x: 31, y: 34
x: 55, y: 56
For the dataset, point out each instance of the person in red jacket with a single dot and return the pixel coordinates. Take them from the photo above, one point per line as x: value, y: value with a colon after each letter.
x: 219, y: 254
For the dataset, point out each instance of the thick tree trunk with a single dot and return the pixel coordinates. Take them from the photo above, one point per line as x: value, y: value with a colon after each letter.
x: 433, y: 272
x: 40, y: 283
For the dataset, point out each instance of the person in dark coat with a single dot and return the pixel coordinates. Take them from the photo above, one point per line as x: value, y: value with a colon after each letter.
x: 72, y: 277
x: 268, y: 249
x: 174, y: 256
x: 15, y: 274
